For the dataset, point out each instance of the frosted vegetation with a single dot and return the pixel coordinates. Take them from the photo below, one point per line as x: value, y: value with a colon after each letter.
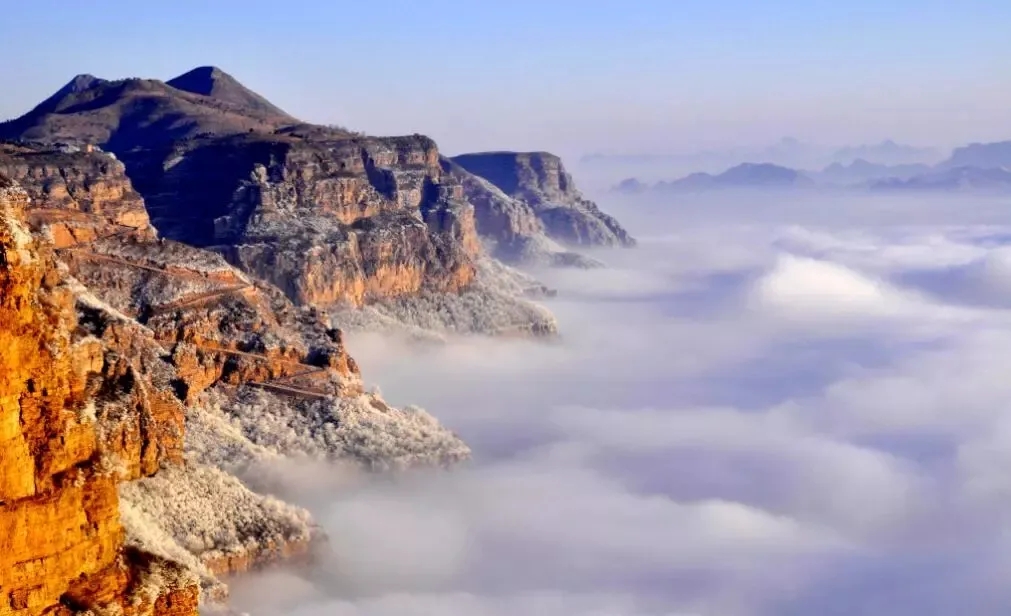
x: 496, y: 304
x: 166, y: 253
x: 133, y: 289
x: 233, y: 432
x: 146, y: 533
x: 211, y: 515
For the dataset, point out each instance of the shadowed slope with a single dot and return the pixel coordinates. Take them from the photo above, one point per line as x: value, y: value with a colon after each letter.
x: 213, y: 82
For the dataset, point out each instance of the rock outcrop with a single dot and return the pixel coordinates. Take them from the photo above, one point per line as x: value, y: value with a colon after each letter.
x: 67, y: 440
x: 539, y: 181
x: 327, y: 221
x: 86, y: 194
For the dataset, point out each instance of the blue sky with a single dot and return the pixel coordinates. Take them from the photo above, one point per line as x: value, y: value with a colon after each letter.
x: 632, y: 76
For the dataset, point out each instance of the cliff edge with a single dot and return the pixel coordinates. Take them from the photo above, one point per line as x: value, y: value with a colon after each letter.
x: 63, y: 549
x: 546, y: 196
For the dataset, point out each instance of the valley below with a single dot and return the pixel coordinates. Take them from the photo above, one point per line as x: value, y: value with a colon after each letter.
x: 771, y: 406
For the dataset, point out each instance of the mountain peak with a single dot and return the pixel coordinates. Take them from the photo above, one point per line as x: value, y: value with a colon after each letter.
x: 204, y: 80
x: 215, y: 83
x: 78, y: 84
x: 81, y: 82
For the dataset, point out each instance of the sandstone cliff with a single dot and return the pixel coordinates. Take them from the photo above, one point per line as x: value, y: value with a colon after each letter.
x: 327, y: 221
x: 64, y: 449
x: 86, y: 194
x: 544, y: 194
x: 173, y: 334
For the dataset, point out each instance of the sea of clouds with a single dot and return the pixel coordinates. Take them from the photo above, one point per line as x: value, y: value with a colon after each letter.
x: 776, y: 405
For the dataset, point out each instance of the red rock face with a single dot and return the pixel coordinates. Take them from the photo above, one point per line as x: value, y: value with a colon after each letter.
x: 58, y: 498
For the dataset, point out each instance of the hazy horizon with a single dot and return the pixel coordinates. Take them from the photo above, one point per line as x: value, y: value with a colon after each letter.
x: 646, y: 77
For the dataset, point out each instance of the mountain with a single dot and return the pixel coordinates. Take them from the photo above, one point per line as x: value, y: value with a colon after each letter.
x: 861, y: 170
x: 746, y: 175
x: 982, y: 155
x: 787, y: 152
x: 630, y: 186
x: 539, y: 181
x: 887, y: 153
x: 141, y: 113
x: 179, y: 262
x: 215, y: 83
x: 981, y: 167
x: 328, y: 216
x: 955, y: 179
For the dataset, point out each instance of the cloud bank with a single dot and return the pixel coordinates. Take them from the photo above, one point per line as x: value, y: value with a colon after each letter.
x: 770, y: 408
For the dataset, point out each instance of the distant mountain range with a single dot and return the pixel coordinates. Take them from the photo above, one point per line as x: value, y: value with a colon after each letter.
x: 787, y: 152
x: 745, y: 175
x: 955, y: 179
x: 982, y: 155
x: 976, y: 167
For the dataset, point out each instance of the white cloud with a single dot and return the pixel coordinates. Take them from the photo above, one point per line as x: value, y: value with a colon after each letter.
x: 745, y: 418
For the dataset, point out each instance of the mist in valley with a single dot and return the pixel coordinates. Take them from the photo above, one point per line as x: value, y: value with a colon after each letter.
x: 777, y: 404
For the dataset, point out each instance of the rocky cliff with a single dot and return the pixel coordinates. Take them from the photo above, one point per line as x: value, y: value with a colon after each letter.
x: 80, y: 195
x: 327, y: 221
x: 331, y: 218
x: 147, y: 377
x: 192, y: 374
x: 543, y: 194
x: 70, y: 425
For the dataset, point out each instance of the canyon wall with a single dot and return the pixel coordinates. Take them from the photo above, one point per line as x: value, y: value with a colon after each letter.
x: 80, y: 196
x: 189, y: 371
x: 327, y: 221
x: 539, y: 181
x: 64, y: 549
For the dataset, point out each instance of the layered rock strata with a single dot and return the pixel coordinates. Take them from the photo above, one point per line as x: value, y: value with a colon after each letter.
x: 69, y: 432
x: 175, y: 335
x: 339, y: 221
x: 544, y: 197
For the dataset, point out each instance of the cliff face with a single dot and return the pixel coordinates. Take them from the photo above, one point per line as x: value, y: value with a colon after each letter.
x: 509, y: 227
x: 58, y: 499
x: 348, y: 220
x: 195, y: 371
x: 539, y: 181
x: 80, y: 196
